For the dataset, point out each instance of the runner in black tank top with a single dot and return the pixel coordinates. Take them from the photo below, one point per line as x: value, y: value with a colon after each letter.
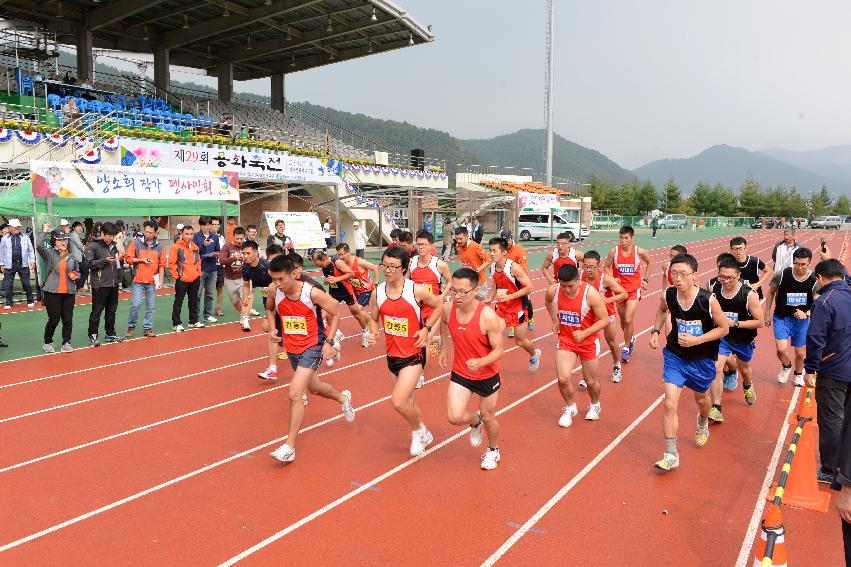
x: 752, y: 268
x: 793, y: 290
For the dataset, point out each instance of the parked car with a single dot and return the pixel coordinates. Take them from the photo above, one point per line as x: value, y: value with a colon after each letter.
x: 757, y: 223
x: 828, y: 222
x: 673, y: 221
x: 818, y: 221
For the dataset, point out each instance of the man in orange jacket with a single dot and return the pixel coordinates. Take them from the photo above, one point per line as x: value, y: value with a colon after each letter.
x: 146, y: 257
x: 472, y: 255
x: 184, y: 263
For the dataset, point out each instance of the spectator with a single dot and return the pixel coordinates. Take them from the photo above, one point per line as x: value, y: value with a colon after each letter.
x: 654, y: 225
x: 243, y: 133
x: 478, y: 231
x: 146, y: 257
x: 61, y: 272
x: 105, y: 266
x: 86, y: 84
x: 251, y: 233
x: 215, y: 226
x: 360, y: 240
x: 448, y: 239
x: 69, y: 79
x: 63, y: 224
x: 229, y: 228
x: 783, y: 250
x: 179, y: 233
x: 121, y: 240
x: 255, y: 275
x: 406, y: 240
x: 17, y: 257
x: 184, y: 264
x: 70, y: 110
x: 231, y: 260
x: 75, y: 247
x: 472, y: 256
x: 326, y: 232
x: 279, y: 237
x: 209, y: 248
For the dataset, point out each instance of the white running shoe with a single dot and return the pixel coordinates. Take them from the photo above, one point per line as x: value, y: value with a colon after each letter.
x: 48, y: 348
x: 364, y: 341
x: 198, y: 325
x: 593, y: 412
x: 338, y: 339
x: 566, y: 419
x: 783, y: 375
x: 477, y: 432
x: 211, y: 319
x: 420, y: 382
x: 346, y: 406
x: 66, y: 347
x: 284, y: 453
x: 420, y: 439
x: 246, y: 326
x: 616, y: 374
x: 269, y: 374
x: 582, y: 384
x: 490, y: 459
x: 254, y: 313
x: 799, y: 380
x: 534, y: 362
x: 179, y: 328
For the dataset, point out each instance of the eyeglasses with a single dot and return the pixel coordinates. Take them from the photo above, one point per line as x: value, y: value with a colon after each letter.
x: 726, y: 278
x: 389, y: 267
x: 738, y: 248
x: 588, y: 268
x: 679, y: 275
x: 461, y: 292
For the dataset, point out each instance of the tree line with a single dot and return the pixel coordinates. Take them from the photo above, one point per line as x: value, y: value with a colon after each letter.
x: 751, y: 199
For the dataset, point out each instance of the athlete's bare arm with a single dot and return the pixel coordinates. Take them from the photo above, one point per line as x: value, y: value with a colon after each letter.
x: 269, y: 322
x: 443, y: 360
x: 609, y: 262
x: 552, y: 308
x: 443, y: 268
x: 372, y: 321
x: 755, y: 308
x: 595, y: 302
x: 618, y: 293
x: 347, y: 273
x: 764, y: 279
x: 329, y: 305
x: 523, y: 279
x: 661, y: 318
x: 769, y: 298
x: 548, y: 261
x: 366, y: 264
x: 426, y: 297
x: 645, y: 257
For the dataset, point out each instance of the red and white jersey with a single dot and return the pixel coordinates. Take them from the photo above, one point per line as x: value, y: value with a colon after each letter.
x: 599, y: 286
x: 505, y: 281
x: 627, y: 269
x: 575, y: 314
x: 425, y: 276
x: 360, y: 280
x: 668, y: 277
x: 401, y: 320
x: 300, y: 321
x: 470, y: 342
x: 559, y: 261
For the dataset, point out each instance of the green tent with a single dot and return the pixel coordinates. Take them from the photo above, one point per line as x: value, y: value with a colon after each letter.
x: 18, y: 202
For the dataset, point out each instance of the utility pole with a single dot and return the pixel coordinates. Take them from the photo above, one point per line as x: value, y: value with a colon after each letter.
x: 548, y: 80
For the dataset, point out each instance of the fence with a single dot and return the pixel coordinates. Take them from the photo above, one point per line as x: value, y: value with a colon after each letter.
x: 613, y: 222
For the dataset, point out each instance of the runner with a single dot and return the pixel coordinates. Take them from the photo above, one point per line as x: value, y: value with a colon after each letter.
x: 510, y: 284
x: 578, y: 313
x: 516, y: 253
x: 793, y: 290
x: 562, y: 254
x: 667, y: 282
x: 362, y: 284
x: 690, y: 354
x: 338, y: 276
x: 399, y: 303
x: 742, y: 307
x: 753, y: 270
x: 731, y: 372
x: 624, y: 261
x: 255, y: 275
x: 477, y: 337
x: 721, y: 258
x: 426, y: 270
x: 297, y: 304
x: 612, y: 293
x: 473, y: 256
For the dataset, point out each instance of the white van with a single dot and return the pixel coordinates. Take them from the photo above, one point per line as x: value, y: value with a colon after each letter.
x: 535, y: 224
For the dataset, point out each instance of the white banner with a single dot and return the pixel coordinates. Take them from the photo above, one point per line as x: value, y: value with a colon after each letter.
x: 77, y: 180
x: 537, y: 200
x: 304, y: 229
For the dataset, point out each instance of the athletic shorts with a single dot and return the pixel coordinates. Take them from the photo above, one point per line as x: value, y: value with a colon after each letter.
x: 234, y: 290
x: 343, y: 297
x: 696, y: 375
x: 512, y: 319
x: 220, y: 276
x: 634, y: 295
x: 791, y: 328
x: 585, y: 350
x: 311, y: 358
x: 364, y: 297
x: 743, y: 352
x: 396, y: 363
x: 483, y: 388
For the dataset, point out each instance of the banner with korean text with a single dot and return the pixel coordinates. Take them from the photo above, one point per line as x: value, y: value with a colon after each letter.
x: 77, y: 180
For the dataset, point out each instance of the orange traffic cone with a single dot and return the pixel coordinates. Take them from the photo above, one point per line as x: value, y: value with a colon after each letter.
x: 771, y: 523
x: 801, y: 490
x: 806, y: 406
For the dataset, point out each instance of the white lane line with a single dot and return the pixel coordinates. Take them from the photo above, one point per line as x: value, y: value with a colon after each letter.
x: 753, y: 525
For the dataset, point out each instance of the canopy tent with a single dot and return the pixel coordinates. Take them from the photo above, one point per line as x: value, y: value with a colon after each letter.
x: 18, y: 201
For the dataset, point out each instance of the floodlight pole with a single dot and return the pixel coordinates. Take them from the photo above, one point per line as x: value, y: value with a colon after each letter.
x: 549, y: 90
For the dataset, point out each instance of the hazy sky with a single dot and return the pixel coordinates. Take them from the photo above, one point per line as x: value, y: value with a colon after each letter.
x: 637, y: 81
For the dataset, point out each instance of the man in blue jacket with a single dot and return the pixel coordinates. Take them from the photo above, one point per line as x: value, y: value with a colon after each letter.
x: 208, y: 243
x: 16, y: 257
x: 829, y: 356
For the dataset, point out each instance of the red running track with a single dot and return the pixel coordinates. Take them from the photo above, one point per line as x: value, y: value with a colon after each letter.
x: 164, y: 460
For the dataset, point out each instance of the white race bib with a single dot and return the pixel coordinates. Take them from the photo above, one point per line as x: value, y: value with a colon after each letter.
x: 294, y: 325
x: 693, y: 328
x: 796, y: 299
x: 396, y: 326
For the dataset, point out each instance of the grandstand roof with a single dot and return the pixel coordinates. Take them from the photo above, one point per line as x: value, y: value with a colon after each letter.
x: 260, y: 37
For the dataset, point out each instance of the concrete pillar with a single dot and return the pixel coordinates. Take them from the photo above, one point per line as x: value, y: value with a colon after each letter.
x: 162, y: 73
x: 225, y: 81
x: 85, y: 65
x: 279, y: 96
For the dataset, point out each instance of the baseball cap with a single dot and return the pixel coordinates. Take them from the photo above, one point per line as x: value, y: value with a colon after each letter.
x: 508, y: 235
x: 63, y: 222
x: 356, y: 223
x: 15, y: 222
x: 59, y: 235
x: 180, y: 226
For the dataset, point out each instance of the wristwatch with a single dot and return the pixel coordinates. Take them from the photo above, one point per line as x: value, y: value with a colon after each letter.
x: 428, y: 328
x: 656, y: 331
x: 736, y: 324
x: 329, y: 341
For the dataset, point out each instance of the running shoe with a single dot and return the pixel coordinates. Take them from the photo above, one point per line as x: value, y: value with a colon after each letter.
x: 112, y: 339
x: 198, y: 325
x: 254, y: 313
x: 284, y: 453
x: 48, y: 348
x: 490, y: 459
x: 715, y: 415
x: 593, y: 412
x: 583, y: 385
x: 129, y: 333
x: 625, y: 352
x: 823, y: 477
x: 668, y: 462
x: 799, y: 380
x: 245, y: 325
x: 532, y: 324
x: 364, y: 341
x: 66, y: 347
x: 750, y: 395
x: 783, y: 375
x: 269, y: 374
x: 211, y: 319
x: 631, y: 345
x: 330, y: 362
x: 731, y: 380
x: 346, y: 406
x: 149, y: 333
x: 7, y: 307
x: 701, y: 434
x: 93, y: 341
x: 420, y: 382
x: 219, y: 312
x: 535, y: 361
x: 179, y: 328
x: 420, y: 439
x: 477, y: 432
x: 511, y: 333
x: 338, y: 339
x: 616, y: 374
x: 566, y: 419
x: 30, y: 304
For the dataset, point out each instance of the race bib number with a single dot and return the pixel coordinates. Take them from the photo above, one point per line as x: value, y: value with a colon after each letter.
x: 425, y: 286
x: 294, y: 325
x: 626, y: 270
x: 264, y: 292
x: 355, y: 282
x: 501, y: 291
x: 396, y: 326
x: 732, y: 316
x: 569, y: 318
x: 693, y: 328
x: 796, y: 299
